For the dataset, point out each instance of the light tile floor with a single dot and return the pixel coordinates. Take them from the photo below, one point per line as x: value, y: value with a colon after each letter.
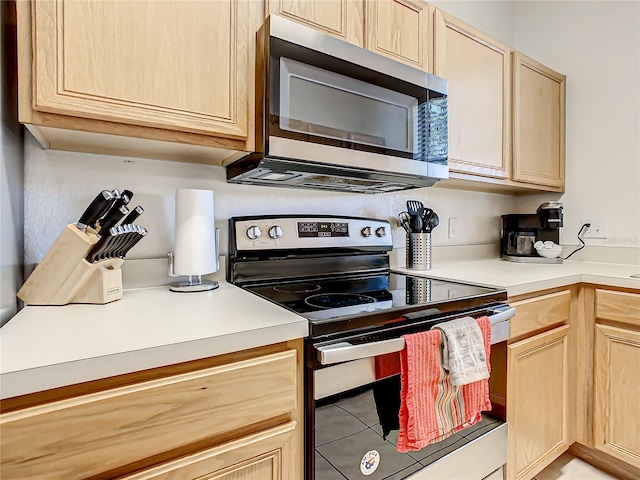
x: 568, y: 467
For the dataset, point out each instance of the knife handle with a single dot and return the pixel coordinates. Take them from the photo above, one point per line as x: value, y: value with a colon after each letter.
x: 99, y: 246
x: 129, y: 246
x: 135, y: 213
x: 113, y: 217
x: 127, y: 195
x: 95, y: 210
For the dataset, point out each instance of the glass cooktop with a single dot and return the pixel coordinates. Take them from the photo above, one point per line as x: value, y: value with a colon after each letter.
x: 390, y: 295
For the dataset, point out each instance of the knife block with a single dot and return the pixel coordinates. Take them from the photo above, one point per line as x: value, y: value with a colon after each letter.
x: 64, y: 275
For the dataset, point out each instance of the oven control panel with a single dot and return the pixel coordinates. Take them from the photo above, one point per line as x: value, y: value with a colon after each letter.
x: 266, y: 233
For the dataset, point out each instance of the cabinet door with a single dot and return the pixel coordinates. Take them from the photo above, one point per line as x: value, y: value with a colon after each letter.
x: 341, y: 18
x: 268, y: 455
x: 478, y: 69
x: 538, y: 123
x: 402, y: 30
x: 180, y: 65
x: 85, y: 436
x: 616, y: 413
x: 537, y: 399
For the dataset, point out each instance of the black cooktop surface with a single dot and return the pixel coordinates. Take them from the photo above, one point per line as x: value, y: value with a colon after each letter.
x: 341, y: 303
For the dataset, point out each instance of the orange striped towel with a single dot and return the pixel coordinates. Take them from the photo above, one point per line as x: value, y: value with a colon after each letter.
x: 431, y: 409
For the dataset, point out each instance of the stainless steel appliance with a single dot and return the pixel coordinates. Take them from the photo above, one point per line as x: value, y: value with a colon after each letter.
x: 520, y: 232
x: 335, y: 272
x: 332, y: 115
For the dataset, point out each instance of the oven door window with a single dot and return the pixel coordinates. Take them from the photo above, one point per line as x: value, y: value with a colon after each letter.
x: 349, y: 431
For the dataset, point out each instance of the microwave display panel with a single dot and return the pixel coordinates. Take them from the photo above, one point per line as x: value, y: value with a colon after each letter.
x: 314, y: 101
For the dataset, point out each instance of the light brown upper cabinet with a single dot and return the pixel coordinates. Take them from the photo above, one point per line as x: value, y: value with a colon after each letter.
x: 538, y: 123
x: 401, y: 30
x: 506, y: 112
x: 343, y: 19
x: 180, y: 71
x: 478, y: 69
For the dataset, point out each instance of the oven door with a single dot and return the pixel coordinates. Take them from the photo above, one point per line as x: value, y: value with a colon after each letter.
x: 347, y: 391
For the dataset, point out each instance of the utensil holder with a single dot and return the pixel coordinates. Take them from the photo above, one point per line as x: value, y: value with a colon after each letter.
x: 418, y: 290
x: 419, y: 251
x: 64, y: 275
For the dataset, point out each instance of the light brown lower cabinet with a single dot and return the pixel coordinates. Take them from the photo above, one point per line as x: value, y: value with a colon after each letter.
x: 537, y: 402
x: 616, y: 415
x: 236, y: 416
x: 266, y: 455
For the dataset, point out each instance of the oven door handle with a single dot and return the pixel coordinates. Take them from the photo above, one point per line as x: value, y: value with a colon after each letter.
x: 345, y: 351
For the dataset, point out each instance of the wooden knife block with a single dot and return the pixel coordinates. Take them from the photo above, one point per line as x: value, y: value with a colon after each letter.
x: 64, y: 275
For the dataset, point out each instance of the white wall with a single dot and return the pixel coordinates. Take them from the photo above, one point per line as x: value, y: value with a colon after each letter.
x: 59, y: 185
x: 11, y: 174
x: 494, y: 18
x: 597, y: 46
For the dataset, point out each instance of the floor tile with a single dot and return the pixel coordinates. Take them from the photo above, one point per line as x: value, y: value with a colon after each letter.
x: 333, y: 423
x: 324, y: 470
x: 568, y: 467
x: 346, y: 454
x: 361, y: 406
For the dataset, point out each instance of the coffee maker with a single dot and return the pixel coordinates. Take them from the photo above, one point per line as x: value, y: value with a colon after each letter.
x: 521, y: 231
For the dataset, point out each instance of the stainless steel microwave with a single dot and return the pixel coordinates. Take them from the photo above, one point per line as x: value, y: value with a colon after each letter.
x: 332, y: 115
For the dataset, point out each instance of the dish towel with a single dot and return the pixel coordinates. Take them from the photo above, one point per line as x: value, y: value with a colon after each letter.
x: 463, y: 351
x: 431, y: 408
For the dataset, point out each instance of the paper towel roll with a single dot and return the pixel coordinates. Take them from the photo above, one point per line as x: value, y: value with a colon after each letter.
x: 195, y: 252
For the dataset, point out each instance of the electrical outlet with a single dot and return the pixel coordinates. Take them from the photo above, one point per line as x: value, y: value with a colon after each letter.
x: 453, y: 227
x: 598, y: 228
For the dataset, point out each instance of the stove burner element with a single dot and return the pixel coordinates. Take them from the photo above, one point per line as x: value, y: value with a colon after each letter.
x: 299, y: 288
x: 337, y: 300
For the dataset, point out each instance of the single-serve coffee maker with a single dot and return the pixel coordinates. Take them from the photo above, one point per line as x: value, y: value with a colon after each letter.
x: 521, y: 231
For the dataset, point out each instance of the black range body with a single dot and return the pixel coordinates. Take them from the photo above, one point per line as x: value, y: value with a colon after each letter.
x: 335, y: 271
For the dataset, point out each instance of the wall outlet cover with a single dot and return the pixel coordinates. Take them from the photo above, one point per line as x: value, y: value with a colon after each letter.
x: 598, y: 228
x: 453, y: 227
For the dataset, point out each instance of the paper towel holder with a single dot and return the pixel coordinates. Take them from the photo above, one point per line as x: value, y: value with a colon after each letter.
x: 197, y: 241
x: 194, y: 283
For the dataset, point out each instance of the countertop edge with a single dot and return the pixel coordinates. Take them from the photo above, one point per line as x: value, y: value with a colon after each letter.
x: 23, y: 382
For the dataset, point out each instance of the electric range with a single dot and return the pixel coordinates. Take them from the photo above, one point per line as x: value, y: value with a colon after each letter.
x: 335, y: 271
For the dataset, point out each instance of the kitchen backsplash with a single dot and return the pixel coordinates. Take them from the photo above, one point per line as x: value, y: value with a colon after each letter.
x: 59, y: 185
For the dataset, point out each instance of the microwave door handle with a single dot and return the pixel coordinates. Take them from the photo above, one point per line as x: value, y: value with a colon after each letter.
x: 345, y: 351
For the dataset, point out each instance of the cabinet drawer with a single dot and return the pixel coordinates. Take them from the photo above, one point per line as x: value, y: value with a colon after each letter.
x: 618, y: 306
x: 540, y: 312
x: 87, y: 435
x: 263, y: 455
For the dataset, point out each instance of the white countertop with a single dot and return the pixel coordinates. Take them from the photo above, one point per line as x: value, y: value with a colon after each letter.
x: 49, y: 347
x: 521, y: 278
x: 45, y: 347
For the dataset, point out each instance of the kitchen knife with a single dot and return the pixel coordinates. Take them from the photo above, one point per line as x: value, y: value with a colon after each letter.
x: 100, y: 245
x: 110, y: 248
x: 123, y: 199
x: 112, y: 218
x: 139, y: 236
x: 95, y: 210
x: 132, y: 217
x: 130, y: 233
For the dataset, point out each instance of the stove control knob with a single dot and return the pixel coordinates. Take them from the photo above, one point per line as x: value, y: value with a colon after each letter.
x: 366, y: 232
x: 275, y: 232
x: 380, y: 232
x: 254, y: 232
